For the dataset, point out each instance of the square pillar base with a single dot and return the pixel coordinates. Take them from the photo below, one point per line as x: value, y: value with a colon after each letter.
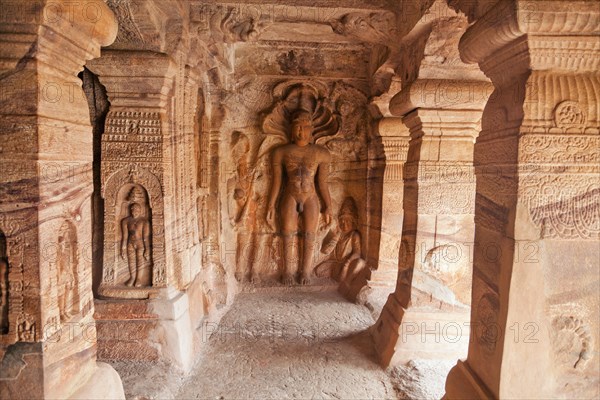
x: 23, y: 375
x: 463, y: 383
x: 158, y: 328
x: 401, y: 335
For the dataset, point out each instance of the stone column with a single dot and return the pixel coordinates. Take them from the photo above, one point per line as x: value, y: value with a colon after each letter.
x: 428, y: 314
x: 47, y: 330
x: 144, y: 311
x: 537, y: 213
x: 394, y: 138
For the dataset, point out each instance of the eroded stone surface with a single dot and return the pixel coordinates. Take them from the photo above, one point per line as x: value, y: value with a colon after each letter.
x: 421, y: 379
x: 290, y: 345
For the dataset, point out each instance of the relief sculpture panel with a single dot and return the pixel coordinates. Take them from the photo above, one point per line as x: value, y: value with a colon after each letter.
x: 134, y: 261
x: 302, y: 162
x: 291, y: 175
x: 68, y: 274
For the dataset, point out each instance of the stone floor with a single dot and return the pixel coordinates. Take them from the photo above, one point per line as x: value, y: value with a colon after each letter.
x: 287, y: 343
x: 292, y: 344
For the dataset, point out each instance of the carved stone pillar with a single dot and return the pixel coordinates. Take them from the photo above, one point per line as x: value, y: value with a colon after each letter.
x: 395, y: 137
x: 47, y: 330
x: 136, y: 168
x: 537, y: 214
x: 146, y: 165
x: 441, y: 103
x: 427, y: 316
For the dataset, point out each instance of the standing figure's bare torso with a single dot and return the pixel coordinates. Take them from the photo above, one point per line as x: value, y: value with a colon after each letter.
x: 135, y: 229
x: 301, y: 165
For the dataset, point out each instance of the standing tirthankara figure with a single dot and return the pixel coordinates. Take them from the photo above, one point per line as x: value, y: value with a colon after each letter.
x: 242, y: 207
x: 135, y: 246
x: 67, y: 272
x: 302, y: 162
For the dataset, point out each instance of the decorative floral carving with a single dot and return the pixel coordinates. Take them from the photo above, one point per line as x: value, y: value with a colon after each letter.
x: 569, y: 114
x: 564, y: 206
x: 376, y: 27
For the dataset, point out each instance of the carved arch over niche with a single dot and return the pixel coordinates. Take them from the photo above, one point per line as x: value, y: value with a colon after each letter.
x: 117, y: 188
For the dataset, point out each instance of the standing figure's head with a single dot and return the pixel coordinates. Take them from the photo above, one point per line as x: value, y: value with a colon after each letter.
x: 137, y: 195
x: 302, y: 127
x: 348, y: 216
x: 136, y: 210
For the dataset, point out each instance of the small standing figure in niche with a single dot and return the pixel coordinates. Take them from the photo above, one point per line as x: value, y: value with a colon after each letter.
x: 345, y: 262
x: 302, y: 162
x: 3, y: 295
x: 66, y: 278
x: 135, y: 246
x: 242, y: 207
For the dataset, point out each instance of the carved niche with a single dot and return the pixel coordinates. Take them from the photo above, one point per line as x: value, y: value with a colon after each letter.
x: 134, y: 247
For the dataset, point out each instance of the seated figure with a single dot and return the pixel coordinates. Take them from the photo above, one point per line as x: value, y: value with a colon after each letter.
x: 345, y: 262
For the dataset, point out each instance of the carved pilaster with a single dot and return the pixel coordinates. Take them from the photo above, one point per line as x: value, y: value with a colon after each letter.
x: 442, y: 110
x: 394, y: 138
x: 151, y: 245
x: 137, y: 154
x: 437, y: 231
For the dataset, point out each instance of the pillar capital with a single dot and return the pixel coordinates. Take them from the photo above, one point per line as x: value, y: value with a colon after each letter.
x: 136, y: 79
x: 515, y: 36
x: 447, y: 124
x: 60, y: 29
x: 442, y: 94
x: 395, y: 136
